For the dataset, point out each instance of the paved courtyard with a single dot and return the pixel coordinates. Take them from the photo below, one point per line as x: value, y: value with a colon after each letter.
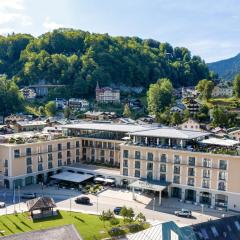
x: 111, y: 198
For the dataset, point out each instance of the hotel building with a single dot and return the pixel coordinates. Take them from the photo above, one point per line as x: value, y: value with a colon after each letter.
x: 176, y: 163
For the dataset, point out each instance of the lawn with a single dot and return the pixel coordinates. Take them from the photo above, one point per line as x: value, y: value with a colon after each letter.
x: 89, y: 226
x: 228, y: 102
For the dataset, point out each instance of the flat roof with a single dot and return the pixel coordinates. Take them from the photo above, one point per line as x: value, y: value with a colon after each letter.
x: 72, y: 177
x: 171, y: 133
x: 31, y: 123
x: 108, y: 127
x: 220, y: 142
x: 150, y: 185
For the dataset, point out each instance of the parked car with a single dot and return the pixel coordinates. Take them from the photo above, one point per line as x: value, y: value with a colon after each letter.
x: 2, y: 204
x: 183, y: 213
x: 29, y: 195
x: 117, y: 210
x: 83, y: 200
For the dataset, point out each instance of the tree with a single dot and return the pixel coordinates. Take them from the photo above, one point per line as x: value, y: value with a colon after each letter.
x: 236, y: 86
x: 11, y: 99
x: 219, y: 116
x: 67, y: 112
x: 127, y: 112
x: 159, y: 96
x: 50, y: 108
x: 140, y: 218
x: 205, y: 87
x: 176, y: 118
x: 128, y: 214
x: 106, y: 216
x: 41, y: 110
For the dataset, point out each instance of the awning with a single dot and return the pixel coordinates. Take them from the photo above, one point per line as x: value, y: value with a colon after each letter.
x: 99, y: 179
x: 149, y: 185
x: 72, y: 177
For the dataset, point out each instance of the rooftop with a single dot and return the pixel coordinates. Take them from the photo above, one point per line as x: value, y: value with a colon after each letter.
x: 68, y: 232
x: 31, y: 123
x: 165, y: 132
x: 220, y: 142
x: 108, y: 127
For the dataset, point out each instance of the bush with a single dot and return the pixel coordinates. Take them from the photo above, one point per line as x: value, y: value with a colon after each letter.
x: 135, y: 228
x: 116, y: 232
x: 114, y: 221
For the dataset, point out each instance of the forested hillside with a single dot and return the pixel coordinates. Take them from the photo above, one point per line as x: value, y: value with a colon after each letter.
x: 226, y: 69
x: 79, y: 59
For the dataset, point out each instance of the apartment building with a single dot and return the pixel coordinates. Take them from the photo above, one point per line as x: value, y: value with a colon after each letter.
x: 189, y: 170
x: 34, y: 160
x: 107, y: 95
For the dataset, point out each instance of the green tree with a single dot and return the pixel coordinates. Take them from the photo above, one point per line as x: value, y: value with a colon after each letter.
x: 219, y: 116
x: 127, y: 214
x: 159, y: 96
x: 176, y: 118
x: 67, y: 112
x: 11, y: 99
x: 127, y: 112
x: 50, y: 108
x: 140, y: 218
x: 236, y: 86
x: 41, y: 110
x: 205, y: 87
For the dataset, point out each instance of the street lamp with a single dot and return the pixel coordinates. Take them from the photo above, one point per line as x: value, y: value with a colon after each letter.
x: 97, y: 203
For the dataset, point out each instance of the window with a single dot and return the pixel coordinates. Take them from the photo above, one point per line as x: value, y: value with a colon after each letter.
x: 149, y: 166
x: 40, y: 167
x: 163, y: 177
x: 162, y: 167
x: 207, y: 162
x: 137, y: 173
x: 28, y: 151
x: 68, y: 153
x: 59, y: 146
x: 78, y: 151
x: 111, y: 153
x: 60, y: 155
x: 150, y: 157
x: 222, y: 175
x: 49, y: 148
x: 29, y: 169
x: 191, y: 181
x: 104, y: 145
x: 222, y: 186
x: 125, y: 163
x: 68, y: 161
x: 16, y: 153
x: 176, y: 179
x: 29, y: 160
x: 6, y: 172
x: 205, y: 183
x: 137, y: 164
x: 163, y: 157
x: 191, y: 172
x: 176, y: 159
x: 149, y: 175
x: 125, y: 171
x: 125, y: 153
x: 68, y: 145
x: 206, y: 173
x: 137, y: 155
x: 223, y: 164
x: 6, y: 163
x: 191, y: 161
x: 176, y: 170
x: 237, y: 225
x: 40, y: 160
x: 59, y: 163
x: 77, y: 144
x: 214, y: 231
x: 77, y: 159
x: 50, y: 158
x: 50, y: 165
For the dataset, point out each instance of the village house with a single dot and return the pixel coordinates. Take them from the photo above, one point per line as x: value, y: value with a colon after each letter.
x: 107, y: 95
x: 221, y: 90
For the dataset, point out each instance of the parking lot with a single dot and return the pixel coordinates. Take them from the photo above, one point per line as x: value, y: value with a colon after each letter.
x: 112, y: 197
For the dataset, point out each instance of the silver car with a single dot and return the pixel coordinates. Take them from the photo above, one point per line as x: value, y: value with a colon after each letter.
x: 183, y: 213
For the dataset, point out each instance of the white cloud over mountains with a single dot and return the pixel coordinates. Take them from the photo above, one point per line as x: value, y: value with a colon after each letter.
x: 50, y: 25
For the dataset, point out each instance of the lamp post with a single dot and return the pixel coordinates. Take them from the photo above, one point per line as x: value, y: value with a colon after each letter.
x: 19, y: 198
x: 97, y: 204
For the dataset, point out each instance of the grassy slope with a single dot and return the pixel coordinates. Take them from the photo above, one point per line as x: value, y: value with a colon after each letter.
x: 89, y: 226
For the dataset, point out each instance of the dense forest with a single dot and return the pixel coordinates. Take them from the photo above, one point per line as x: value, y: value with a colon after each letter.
x: 79, y: 59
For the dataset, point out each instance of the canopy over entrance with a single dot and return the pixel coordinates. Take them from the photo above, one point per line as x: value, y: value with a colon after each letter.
x: 150, y: 185
x: 72, y: 177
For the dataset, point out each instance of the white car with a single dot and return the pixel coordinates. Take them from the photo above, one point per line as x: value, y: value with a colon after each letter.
x: 2, y: 204
x: 183, y: 213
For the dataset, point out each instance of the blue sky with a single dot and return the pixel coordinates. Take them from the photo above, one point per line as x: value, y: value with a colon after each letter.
x: 209, y: 28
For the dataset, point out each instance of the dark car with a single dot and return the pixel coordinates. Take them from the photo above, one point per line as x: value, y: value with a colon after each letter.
x: 83, y: 200
x: 29, y: 195
x: 117, y: 210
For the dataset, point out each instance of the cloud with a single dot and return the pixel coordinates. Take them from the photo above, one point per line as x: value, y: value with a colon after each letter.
x: 12, y: 15
x: 50, y: 25
x: 5, y: 31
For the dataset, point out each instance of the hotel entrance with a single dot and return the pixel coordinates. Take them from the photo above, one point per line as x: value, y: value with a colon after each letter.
x: 205, y: 198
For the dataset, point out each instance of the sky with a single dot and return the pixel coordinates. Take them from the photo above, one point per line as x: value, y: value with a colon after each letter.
x: 209, y: 28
